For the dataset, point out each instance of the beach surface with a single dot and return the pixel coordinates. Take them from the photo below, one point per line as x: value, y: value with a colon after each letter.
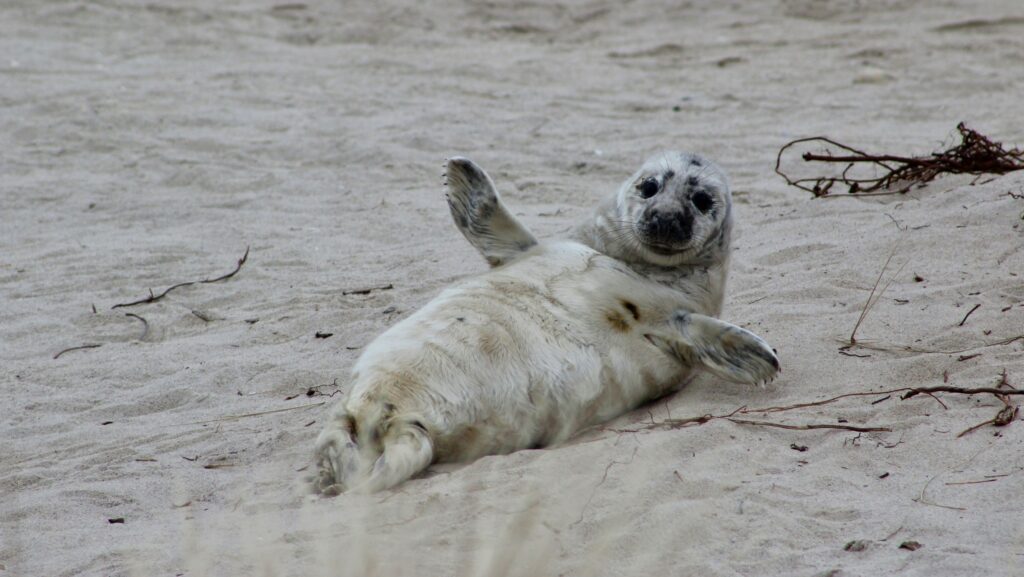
x: 147, y: 144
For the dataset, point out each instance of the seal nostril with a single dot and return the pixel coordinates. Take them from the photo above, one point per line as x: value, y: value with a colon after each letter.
x: 668, y: 227
x: 660, y: 225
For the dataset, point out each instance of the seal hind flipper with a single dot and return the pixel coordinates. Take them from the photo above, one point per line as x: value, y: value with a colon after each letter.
x: 481, y: 216
x: 337, y: 452
x: 723, y: 349
x: 407, y: 451
x: 385, y: 451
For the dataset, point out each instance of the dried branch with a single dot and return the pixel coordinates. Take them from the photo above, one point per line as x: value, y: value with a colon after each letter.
x: 746, y: 411
x: 908, y: 393
x: 368, y: 290
x: 604, y: 478
x: 257, y: 414
x: 924, y: 500
x: 681, y: 423
x: 894, y: 174
x: 57, y: 356
x: 202, y: 315
x: 676, y: 423
x: 961, y: 390
x: 145, y: 325
x: 1006, y: 415
x: 1003, y: 391
x: 870, y: 303
x: 969, y: 313
x: 909, y: 349
x: 315, y: 391
x: 153, y: 298
x: 812, y: 426
x: 973, y: 482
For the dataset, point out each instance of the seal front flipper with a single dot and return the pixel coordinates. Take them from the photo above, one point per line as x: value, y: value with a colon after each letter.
x: 723, y: 349
x: 481, y: 216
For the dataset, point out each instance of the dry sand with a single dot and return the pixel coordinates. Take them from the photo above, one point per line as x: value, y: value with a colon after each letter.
x: 145, y: 145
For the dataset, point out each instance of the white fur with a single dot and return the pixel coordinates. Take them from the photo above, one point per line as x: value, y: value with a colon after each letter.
x: 559, y: 336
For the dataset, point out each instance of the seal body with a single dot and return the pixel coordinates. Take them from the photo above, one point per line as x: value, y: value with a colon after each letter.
x: 523, y: 356
x: 556, y: 337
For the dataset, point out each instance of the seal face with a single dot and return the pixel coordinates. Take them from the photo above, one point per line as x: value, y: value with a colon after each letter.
x: 677, y: 204
x: 557, y: 336
x: 671, y: 221
x: 675, y: 211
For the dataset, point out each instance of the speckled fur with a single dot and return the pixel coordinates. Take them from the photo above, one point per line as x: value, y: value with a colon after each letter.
x: 557, y: 337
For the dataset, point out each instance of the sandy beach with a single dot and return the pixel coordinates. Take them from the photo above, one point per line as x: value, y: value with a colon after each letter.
x: 144, y: 145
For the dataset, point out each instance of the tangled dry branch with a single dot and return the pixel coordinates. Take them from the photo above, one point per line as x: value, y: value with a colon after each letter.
x: 1002, y: 391
x: 893, y: 174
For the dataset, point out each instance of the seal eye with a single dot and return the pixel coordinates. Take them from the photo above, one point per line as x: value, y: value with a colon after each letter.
x: 647, y: 188
x: 702, y: 201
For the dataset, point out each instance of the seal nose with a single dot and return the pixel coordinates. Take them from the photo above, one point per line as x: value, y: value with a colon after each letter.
x: 669, y: 226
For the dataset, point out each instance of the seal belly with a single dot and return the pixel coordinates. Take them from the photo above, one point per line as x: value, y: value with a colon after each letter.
x: 523, y: 356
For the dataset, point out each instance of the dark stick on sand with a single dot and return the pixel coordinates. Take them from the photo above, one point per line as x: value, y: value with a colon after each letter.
x: 152, y: 298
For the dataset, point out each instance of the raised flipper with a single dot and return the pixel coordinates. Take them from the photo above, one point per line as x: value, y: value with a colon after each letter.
x: 724, y: 350
x: 481, y: 216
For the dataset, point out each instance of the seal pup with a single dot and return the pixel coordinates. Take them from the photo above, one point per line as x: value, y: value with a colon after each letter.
x: 671, y: 221
x: 556, y: 337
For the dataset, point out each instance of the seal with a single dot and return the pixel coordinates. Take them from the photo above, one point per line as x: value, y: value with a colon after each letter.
x: 671, y: 221
x: 556, y: 337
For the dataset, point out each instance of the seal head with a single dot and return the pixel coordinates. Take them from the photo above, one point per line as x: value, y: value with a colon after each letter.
x: 675, y: 210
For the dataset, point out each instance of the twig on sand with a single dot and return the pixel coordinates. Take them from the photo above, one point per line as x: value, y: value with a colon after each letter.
x: 923, y: 498
x: 315, y: 391
x: 145, y: 325
x: 961, y: 390
x: 1006, y: 415
x: 681, y: 423
x: 973, y: 482
x: 604, y: 478
x: 813, y: 403
x: 78, y: 348
x: 882, y: 400
x: 155, y: 297
x: 872, y: 299
x: 908, y: 393
x: 675, y: 423
x: 368, y: 290
x: 937, y: 399
x: 202, y: 315
x: 969, y: 313
x: 258, y: 414
x: 812, y: 426
x: 893, y: 534
x: 1003, y: 391
x: 909, y: 349
x: 894, y: 174
x: 831, y: 400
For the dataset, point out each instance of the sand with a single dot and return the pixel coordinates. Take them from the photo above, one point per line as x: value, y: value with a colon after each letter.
x: 147, y: 144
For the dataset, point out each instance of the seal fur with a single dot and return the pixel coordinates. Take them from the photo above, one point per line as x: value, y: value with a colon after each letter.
x: 556, y: 337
